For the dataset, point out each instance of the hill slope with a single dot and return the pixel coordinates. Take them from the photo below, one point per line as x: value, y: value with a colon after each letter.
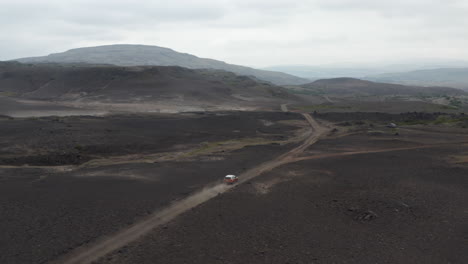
x: 361, y: 71
x: 453, y: 77
x: 319, y: 72
x: 167, y: 86
x: 141, y: 55
x: 351, y: 86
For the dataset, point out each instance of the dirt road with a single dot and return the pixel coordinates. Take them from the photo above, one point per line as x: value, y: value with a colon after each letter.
x: 104, y: 246
x: 350, y: 153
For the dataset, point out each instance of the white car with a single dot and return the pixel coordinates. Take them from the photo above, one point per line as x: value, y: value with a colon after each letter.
x: 231, y: 179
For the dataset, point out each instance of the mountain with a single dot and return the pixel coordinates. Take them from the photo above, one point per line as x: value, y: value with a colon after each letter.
x: 351, y: 86
x: 319, y: 72
x: 142, y: 55
x: 168, y: 86
x: 452, y: 77
x: 362, y: 70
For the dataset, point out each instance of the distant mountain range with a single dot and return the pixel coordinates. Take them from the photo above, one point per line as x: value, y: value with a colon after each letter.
x: 416, y: 73
x: 455, y: 77
x: 319, y: 72
x: 173, y: 88
x: 351, y: 86
x: 435, y: 73
x: 142, y: 55
x: 169, y: 86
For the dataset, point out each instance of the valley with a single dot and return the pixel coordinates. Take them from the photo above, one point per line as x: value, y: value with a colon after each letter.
x: 125, y: 164
x: 146, y: 188
x: 233, y: 132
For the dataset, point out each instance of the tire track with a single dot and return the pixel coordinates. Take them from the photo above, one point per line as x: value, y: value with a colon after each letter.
x: 89, y: 253
x: 350, y: 153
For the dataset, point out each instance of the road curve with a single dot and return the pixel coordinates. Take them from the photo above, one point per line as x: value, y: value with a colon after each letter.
x: 89, y: 253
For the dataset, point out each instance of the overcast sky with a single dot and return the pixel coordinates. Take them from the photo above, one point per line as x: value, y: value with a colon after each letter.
x: 248, y: 32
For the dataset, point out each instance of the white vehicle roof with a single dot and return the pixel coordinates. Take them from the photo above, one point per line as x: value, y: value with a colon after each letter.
x: 230, y: 176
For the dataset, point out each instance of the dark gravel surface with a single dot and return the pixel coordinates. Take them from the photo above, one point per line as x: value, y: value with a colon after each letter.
x: 397, y: 207
x: 45, y: 214
x: 383, y: 117
x: 74, y: 140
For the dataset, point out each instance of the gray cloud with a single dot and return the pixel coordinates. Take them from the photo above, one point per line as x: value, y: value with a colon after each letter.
x: 251, y: 32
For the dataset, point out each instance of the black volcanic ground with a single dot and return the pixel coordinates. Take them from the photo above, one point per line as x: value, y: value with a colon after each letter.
x: 133, y: 84
x: 363, y: 193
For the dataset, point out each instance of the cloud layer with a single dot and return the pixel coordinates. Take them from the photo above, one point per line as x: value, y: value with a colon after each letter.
x: 249, y: 32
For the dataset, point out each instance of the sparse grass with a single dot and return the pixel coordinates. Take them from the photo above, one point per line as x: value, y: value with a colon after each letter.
x: 210, y: 147
x: 7, y: 94
x: 415, y: 122
x: 316, y: 92
x: 440, y: 120
x: 445, y: 120
x: 296, y: 123
x: 454, y: 102
x: 448, y: 107
x: 79, y: 147
x: 375, y: 133
x: 310, y: 108
x: 460, y: 159
x: 205, y: 148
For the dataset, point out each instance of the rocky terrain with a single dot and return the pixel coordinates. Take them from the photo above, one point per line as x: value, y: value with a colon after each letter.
x: 141, y: 55
x: 52, y: 89
x: 67, y: 182
x: 144, y: 89
x: 452, y: 77
x: 354, y: 197
x: 361, y: 193
x: 355, y: 95
x: 113, y: 164
x: 356, y: 87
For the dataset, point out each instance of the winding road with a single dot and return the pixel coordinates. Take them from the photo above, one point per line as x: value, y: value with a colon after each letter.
x: 100, y: 248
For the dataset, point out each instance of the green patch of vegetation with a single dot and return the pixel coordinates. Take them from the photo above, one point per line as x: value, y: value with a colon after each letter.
x: 395, y: 98
x: 448, y: 107
x: 454, y: 102
x: 275, y: 92
x: 209, y: 147
x: 205, y: 148
x: 79, y: 147
x: 425, y: 97
x: 375, y: 133
x: 414, y: 122
x: 462, y: 121
x: 7, y: 94
x: 315, y: 92
x: 309, y: 108
x: 442, y: 119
